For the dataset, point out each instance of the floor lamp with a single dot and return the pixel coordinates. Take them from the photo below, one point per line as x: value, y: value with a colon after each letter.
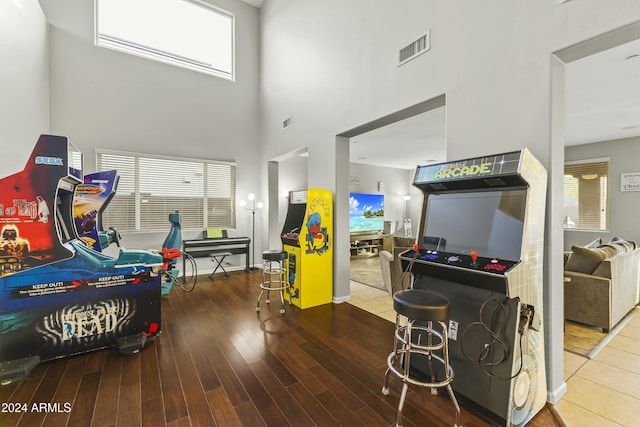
x: 407, y: 220
x: 253, y: 207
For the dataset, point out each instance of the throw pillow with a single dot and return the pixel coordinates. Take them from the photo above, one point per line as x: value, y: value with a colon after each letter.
x: 584, y: 260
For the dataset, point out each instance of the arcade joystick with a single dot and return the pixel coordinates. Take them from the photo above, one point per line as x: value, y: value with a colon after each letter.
x: 474, y: 258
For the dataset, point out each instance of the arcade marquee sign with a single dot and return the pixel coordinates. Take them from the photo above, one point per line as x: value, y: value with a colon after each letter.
x: 500, y: 164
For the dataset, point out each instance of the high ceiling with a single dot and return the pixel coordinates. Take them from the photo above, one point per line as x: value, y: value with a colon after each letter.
x: 256, y: 3
x: 602, y: 104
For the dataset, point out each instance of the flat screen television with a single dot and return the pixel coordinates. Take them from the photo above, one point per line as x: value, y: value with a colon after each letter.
x: 488, y: 222
x: 366, y: 212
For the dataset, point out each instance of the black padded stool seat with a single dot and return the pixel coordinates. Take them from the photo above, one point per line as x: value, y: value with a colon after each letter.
x: 419, y: 304
x: 274, y: 255
x: 420, y: 331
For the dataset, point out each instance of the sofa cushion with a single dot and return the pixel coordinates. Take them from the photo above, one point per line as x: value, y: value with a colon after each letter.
x: 610, y: 250
x: 403, y: 242
x: 584, y: 260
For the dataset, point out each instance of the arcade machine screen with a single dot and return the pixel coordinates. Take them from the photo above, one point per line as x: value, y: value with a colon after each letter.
x: 479, y: 221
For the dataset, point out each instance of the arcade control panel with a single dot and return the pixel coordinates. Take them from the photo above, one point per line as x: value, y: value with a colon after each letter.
x: 472, y: 261
x: 469, y: 269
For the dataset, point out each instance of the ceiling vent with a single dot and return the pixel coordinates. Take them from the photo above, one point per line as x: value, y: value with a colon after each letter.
x: 286, y: 122
x: 415, y: 49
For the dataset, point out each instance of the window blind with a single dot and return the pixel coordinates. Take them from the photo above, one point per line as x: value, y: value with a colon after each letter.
x: 586, y: 195
x: 151, y: 187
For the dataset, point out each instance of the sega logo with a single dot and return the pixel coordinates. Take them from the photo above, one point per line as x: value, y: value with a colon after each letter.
x: 56, y: 161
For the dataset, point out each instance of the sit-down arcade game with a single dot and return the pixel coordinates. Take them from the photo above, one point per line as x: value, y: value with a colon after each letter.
x: 90, y: 200
x: 481, y: 245
x: 58, y: 296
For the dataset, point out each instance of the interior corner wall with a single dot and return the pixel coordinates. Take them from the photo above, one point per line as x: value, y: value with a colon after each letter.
x: 101, y: 98
x: 623, y: 205
x: 24, y: 81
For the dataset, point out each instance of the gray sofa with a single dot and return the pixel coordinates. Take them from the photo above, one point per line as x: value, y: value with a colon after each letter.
x: 601, y: 284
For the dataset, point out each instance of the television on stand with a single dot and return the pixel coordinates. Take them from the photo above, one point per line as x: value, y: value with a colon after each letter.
x: 366, y: 213
x: 366, y: 223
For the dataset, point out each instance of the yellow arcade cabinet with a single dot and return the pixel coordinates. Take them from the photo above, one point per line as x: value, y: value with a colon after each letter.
x: 307, y: 237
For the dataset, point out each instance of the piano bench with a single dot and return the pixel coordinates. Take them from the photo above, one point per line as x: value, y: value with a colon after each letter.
x: 218, y: 258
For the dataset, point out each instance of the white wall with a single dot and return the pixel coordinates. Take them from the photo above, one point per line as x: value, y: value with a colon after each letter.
x: 332, y: 66
x: 624, y: 207
x: 24, y: 81
x: 101, y: 98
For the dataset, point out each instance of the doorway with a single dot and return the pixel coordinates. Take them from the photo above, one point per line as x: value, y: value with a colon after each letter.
x: 579, y: 103
x: 383, y: 155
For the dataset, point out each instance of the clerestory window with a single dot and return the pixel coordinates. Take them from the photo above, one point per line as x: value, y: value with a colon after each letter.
x: 186, y: 33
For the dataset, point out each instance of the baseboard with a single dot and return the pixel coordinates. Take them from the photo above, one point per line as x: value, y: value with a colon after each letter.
x: 339, y: 300
x: 554, y: 396
x: 612, y: 333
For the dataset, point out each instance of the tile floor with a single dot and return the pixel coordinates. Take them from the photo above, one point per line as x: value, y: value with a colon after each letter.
x: 603, y: 391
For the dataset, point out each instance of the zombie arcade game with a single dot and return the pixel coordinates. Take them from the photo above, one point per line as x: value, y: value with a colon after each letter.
x: 59, y: 297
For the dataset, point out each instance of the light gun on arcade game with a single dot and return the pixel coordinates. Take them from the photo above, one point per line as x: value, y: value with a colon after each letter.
x: 481, y: 246
x: 58, y: 296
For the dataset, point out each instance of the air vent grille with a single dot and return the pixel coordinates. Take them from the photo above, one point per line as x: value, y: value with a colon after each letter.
x: 414, y: 49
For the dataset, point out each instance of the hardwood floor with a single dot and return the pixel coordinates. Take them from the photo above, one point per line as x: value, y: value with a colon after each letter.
x: 219, y: 363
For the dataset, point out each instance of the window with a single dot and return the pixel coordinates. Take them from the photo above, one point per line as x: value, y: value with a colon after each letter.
x: 586, y: 203
x: 187, y: 33
x: 151, y: 187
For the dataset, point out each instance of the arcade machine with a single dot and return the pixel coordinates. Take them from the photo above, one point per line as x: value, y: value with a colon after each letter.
x: 307, y: 238
x: 481, y: 245
x: 171, y: 252
x: 59, y: 297
x: 89, y: 202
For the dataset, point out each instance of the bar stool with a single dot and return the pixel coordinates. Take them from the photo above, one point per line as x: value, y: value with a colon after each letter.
x: 273, y: 275
x: 420, y: 306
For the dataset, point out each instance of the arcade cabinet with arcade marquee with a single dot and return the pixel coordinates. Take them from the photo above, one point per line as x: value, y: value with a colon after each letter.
x: 58, y: 296
x: 481, y: 245
x: 307, y: 237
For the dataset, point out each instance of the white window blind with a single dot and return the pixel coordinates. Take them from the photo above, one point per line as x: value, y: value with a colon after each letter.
x: 586, y: 203
x: 187, y: 33
x: 152, y: 187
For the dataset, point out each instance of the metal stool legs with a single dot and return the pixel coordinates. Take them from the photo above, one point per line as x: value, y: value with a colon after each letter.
x: 219, y: 258
x: 399, y: 361
x: 273, y: 279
